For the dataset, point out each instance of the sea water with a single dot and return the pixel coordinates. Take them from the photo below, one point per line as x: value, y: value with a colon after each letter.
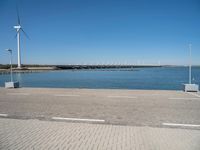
x: 162, y: 78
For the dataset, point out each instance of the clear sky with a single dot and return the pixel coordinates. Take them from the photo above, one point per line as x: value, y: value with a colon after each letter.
x: 103, y: 31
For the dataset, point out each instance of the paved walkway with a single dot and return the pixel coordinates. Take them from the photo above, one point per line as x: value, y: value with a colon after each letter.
x: 34, y: 134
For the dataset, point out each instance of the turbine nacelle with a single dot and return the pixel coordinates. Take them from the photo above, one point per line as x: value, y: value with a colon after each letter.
x: 17, y: 27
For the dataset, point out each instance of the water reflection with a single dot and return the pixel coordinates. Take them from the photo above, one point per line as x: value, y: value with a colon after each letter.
x: 18, y: 77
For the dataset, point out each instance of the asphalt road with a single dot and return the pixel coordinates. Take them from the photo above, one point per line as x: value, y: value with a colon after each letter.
x: 121, y: 107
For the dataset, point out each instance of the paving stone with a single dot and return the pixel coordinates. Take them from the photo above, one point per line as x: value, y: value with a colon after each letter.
x: 35, y: 134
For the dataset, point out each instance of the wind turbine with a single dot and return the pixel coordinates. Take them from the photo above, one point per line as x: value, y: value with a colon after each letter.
x: 19, y: 28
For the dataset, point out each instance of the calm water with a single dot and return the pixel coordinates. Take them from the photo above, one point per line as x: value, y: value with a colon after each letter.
x: 166, y: 78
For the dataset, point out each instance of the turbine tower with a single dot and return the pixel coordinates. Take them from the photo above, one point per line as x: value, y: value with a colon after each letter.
x: 18, y: 46
x: 19, y: 28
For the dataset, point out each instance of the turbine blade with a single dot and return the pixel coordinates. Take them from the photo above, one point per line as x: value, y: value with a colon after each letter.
x: 25, y: 34
x: 15, y: 36
x: 18, y: 18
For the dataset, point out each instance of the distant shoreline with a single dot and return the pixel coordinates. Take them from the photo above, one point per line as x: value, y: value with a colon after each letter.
x: 4, y: 69
x: 44, y: 68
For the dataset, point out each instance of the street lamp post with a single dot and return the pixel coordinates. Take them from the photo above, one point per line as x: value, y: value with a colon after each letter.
x: 11, y: 75
x: 190, y: 87
x: 11, y: 84
x: 190, y: 64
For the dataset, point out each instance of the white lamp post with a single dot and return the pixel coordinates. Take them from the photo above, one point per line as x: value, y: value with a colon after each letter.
x: 11, y: 76
x: 11, y: 84
x: 190, y: 64
x: 190, y: 87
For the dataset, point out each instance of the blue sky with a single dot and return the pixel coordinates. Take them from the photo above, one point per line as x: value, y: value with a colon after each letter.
x: 102, y: 32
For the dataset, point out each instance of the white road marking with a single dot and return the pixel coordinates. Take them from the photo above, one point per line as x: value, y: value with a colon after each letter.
x: 3, y: 115
x: 194, y: 94
x: 181, y: 125
x: 151, y: 94
x: 184, y: 98
x: 25, y: 94
x: 121, y: 97
x: 78, y: 119
x: 66, y: 95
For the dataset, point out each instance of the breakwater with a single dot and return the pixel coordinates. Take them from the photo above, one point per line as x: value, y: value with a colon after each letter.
x: 33, y: 69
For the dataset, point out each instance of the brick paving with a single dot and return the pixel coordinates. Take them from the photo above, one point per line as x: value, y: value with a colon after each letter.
x: 18, y: 134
